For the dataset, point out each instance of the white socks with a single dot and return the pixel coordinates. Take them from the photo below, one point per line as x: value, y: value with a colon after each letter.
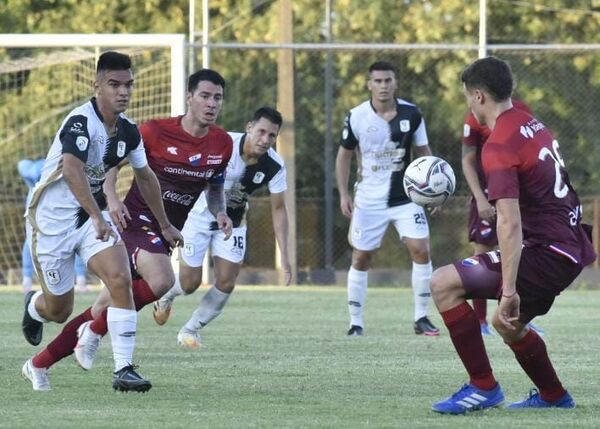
x: 174, y: 292
x: 32, y: 310
x: 421, y: 277
x: 211, y: 306
x: 122, y: 325
x: 357, y: 294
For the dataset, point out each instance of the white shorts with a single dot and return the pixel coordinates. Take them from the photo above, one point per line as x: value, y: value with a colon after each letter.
x: 368, y: 227
x: 54, y: 255
x: 197, y: 236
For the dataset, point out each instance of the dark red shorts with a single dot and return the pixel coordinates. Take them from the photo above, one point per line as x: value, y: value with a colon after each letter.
x: 542, y: 276
x: 481, y: 231
x: 143, y: 234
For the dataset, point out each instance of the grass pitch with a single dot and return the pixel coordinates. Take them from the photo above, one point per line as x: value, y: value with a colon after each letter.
x: 279, y: 358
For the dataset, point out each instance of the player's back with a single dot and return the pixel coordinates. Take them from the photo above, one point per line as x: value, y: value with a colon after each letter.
x: 522, y: 160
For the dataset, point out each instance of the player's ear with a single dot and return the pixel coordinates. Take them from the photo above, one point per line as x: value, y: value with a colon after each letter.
x: 248, y: 126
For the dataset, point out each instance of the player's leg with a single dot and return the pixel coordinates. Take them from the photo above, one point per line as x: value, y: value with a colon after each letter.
x: 480, y: 305
x: 197, y: 235
x: 412, y: 227
x: 228, y: 256
x: 538, y: 266
x: 451, y: 285
x: 367, y: 229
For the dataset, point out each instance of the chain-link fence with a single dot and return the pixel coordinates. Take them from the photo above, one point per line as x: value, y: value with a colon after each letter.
x: 561, y: 86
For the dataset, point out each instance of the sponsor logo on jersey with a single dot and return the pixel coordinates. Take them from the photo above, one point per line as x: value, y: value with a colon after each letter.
x: 172, y: 150
x: 404, y: 125
x: 526, y: 132
x: 345, y: 133
x: 82, y: 143
x: 209, y: 173
x: 184, y: 172
x: 486, y: 231
x: 259, y: 176
x: 176, y: 197
x: 214, y: 161
x: 466, y: 130
x: 121, y: 146
x: 372, y: 129
x: 195, y: 159
x: 470, y: 262
x: 76, y: 128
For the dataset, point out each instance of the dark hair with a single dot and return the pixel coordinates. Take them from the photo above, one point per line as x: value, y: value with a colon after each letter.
x: 205, y: 74
x: 269, y: 114
x: 492, y: 75
x: 382, y: 66
x: 112, y: 60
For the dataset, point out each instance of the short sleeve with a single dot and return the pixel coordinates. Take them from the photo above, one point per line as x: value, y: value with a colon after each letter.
x: 472, y: 131
x: 501, y: 167
x: 420, y: 135
x: 137, y: 157
x: 75, y: 137
x: 348, y: 140
x: 278, y: 183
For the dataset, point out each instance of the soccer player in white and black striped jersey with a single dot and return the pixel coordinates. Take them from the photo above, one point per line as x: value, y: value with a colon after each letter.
x: 384, y: 132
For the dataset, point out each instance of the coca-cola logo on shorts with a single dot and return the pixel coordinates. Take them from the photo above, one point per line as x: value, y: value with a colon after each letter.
x: 176, y: 197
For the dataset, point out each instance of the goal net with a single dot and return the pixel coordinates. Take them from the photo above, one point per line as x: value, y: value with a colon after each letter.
x: 42, y: 78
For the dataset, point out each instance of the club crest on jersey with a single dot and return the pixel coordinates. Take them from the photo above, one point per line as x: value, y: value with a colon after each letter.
x: 470, y: 262
x: 195, y: 159
x: 121, y: 146
x: 172, y: 150
x: 52, y: 277
x: 404, y: 125
x: 156, y: 240
x: 259, y: 176
x: 82, y: 143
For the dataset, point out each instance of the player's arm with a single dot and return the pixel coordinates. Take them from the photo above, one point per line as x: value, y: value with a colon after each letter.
x: 150, y: 189
x: 469, y: 162
x: 279, y: 215
x: 75, y: 176
x: 423, y: 150
x: 116, y: 209
x: 343, y: 162
x: 510, y: 240
x: 215, y: 200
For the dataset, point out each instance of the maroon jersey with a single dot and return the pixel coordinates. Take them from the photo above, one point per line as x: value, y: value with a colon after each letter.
x: 183, y: 164
x: 475, y: 135
x: 521, y: 159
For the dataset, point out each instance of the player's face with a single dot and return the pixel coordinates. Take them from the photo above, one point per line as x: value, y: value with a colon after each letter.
x: 205, y: 102
x: 474, y: 98
x: 114, y: 89
x: 382, y: 84
x: 260, y: 136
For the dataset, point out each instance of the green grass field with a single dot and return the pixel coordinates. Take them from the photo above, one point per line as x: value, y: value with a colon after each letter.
x: 279, y: 358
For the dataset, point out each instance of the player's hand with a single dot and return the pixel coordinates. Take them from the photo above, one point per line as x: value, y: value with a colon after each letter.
x: 434, y: 210
x: 103, y: 229
x: 225, y: 224
x: 508, y: 310
x: 172, y: 235
x: 485, y: 210
x: 118, y: 213
x: 346, y: 206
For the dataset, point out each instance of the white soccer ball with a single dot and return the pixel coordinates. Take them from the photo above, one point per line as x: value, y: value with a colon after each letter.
x: 429, y: 181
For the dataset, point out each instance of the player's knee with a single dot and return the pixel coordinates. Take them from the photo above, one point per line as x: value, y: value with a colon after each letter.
x: 161, y: 284
x: 119, y: 280
x: 361, y: 260
x: 440, y: 284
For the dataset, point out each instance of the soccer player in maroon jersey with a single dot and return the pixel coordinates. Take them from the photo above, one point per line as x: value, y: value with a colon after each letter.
x: 188, y: 154
x: 482, y: 214
x: 543, y: 248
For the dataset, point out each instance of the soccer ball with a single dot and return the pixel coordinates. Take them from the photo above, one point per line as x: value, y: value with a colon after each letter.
x: 429, y: 181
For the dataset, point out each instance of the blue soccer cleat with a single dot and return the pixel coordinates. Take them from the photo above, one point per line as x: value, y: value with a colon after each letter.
x: 535, y: 401
x: 470, y: 398
x: 486, y: 330
x: 537, y: 329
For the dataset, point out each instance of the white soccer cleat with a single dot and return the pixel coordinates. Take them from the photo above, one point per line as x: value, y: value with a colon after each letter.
x: 38, y: 376
x: 87, y: 346
x: 162, y: 311
x: 189, y: 339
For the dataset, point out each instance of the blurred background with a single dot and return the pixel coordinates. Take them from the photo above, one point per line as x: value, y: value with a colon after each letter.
x: 308, y: 58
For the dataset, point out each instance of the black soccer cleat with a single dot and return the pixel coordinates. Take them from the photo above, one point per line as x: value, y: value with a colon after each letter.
x: 128, y: 380
x: 32, y: 329
x: 355, y: 331
x: 424, y: 327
